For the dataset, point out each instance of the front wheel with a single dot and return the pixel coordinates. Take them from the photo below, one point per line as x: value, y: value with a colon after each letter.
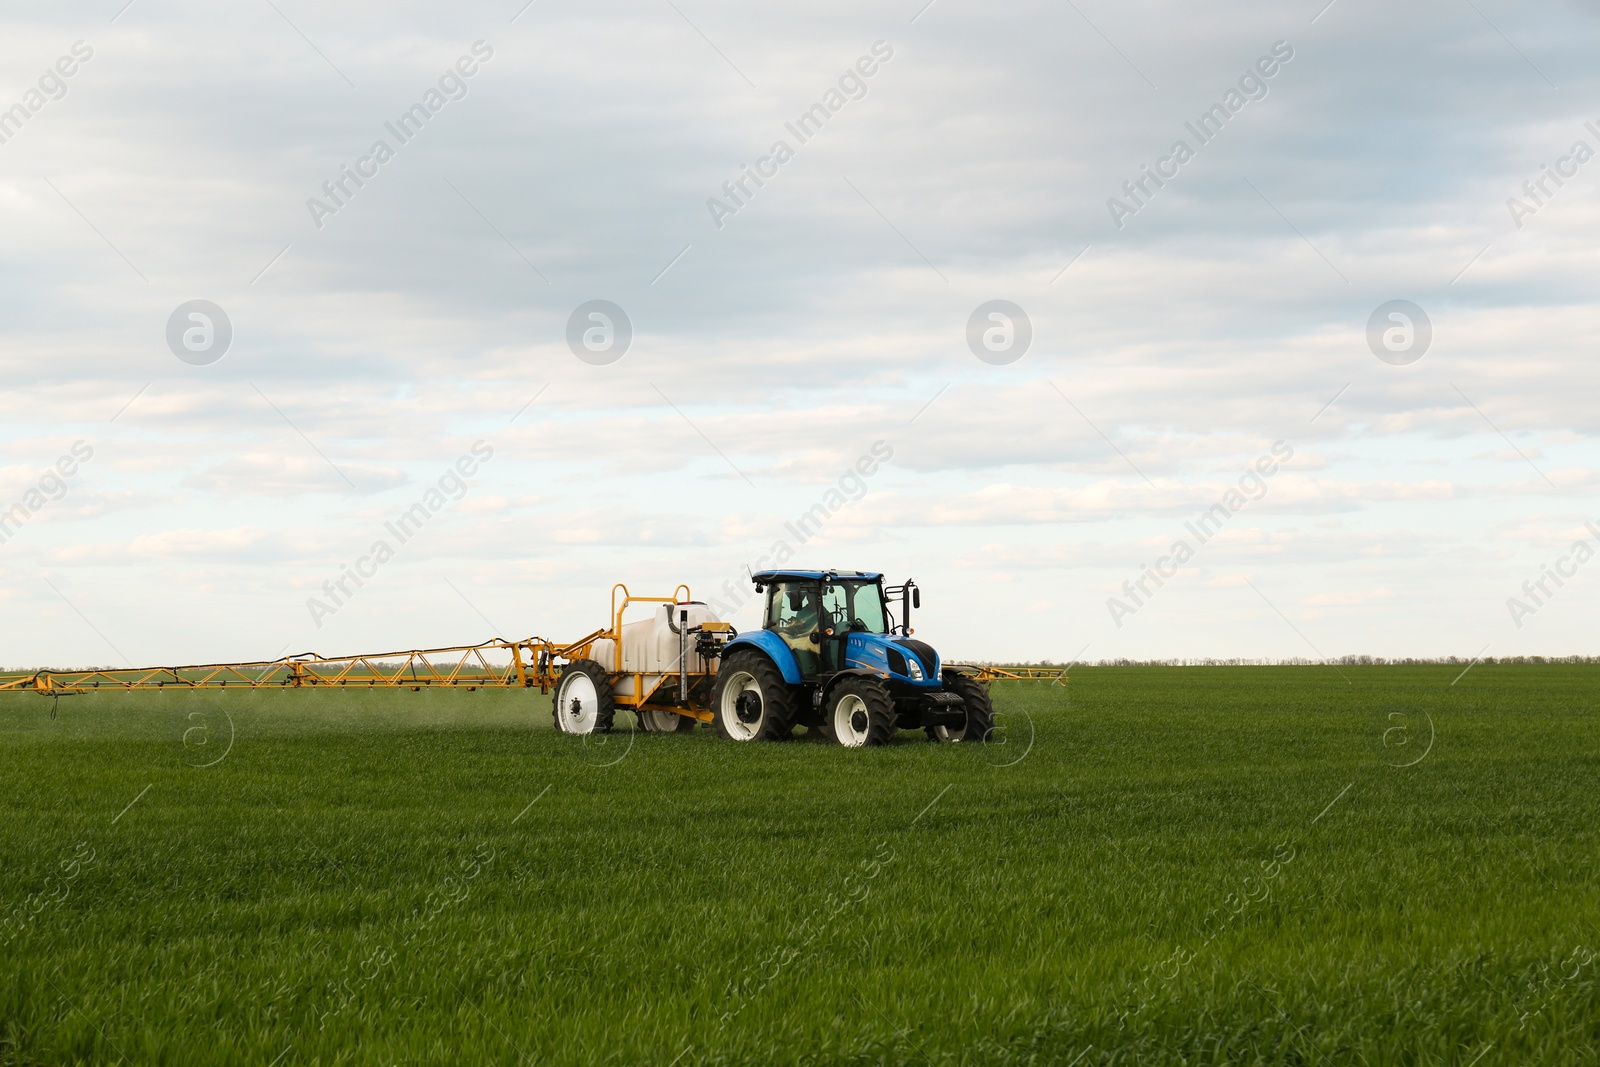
x: 980, y: 710
x: 751, y: 701
x: 859, y: 712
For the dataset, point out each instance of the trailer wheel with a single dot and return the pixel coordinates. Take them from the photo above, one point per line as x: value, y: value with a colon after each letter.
x: 583, y: 702
x: 751, y: 701
x: 859, y: 712
x: 980, y: 710
x: 664, y: 722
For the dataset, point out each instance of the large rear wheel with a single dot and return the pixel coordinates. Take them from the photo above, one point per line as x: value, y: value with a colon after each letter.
x: 859, y: 712
x: 583, y: 702
x: 980, y: 710
x: 751, y: 701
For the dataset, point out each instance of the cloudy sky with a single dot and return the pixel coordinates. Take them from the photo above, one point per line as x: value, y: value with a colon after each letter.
x: 778, y: 331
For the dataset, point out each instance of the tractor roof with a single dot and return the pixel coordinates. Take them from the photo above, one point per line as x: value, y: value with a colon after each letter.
x: 768, y: 577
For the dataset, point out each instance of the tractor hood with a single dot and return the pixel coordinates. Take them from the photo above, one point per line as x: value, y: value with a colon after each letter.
x: 902, y: 658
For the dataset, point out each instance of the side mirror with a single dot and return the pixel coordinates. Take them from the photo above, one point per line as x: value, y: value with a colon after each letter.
x: 916, y: 597
x: 795, y: 601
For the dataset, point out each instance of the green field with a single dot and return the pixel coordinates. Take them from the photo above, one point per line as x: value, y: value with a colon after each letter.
x: 1161, y: 865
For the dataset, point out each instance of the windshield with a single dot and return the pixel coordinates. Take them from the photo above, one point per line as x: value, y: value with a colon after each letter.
x: 855, y: 606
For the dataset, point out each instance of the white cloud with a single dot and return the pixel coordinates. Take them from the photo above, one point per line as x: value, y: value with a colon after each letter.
x: 1222, y: 318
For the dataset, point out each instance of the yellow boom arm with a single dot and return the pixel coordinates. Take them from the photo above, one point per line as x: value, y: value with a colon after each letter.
x: 493, y: 663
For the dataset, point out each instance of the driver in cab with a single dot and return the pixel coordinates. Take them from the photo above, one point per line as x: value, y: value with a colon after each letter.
x: 799, y: 624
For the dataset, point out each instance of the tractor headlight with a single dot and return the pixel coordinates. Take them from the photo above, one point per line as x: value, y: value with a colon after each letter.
x: 901, y: 663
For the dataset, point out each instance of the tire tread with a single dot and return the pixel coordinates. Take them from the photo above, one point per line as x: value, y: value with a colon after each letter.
x: 881, y: 726
x: 606, y: 709
x: 980, y: 706
x: 778, y: 697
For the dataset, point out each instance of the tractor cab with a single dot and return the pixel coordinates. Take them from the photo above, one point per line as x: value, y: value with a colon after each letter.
x: 833, y: 620
x: 832, y: 654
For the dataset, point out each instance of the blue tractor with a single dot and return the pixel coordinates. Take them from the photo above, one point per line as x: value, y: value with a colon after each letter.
x: 831, y: 656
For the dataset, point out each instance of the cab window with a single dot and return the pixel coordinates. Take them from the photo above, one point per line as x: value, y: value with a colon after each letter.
x: 854, y: 606
x: 792, y: 608
x: 792, y: 614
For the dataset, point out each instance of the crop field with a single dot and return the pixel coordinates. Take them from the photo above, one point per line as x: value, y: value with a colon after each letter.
x: 1306, y: 865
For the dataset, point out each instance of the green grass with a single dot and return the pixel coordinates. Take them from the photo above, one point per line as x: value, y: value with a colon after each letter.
x: 1162, y: 865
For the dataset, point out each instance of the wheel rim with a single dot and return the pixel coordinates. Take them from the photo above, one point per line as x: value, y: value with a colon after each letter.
x: 950, y: 733
x: 659, y: 722
x: 851, y: 721
x: 579, y: 704
x: 740, y: 697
